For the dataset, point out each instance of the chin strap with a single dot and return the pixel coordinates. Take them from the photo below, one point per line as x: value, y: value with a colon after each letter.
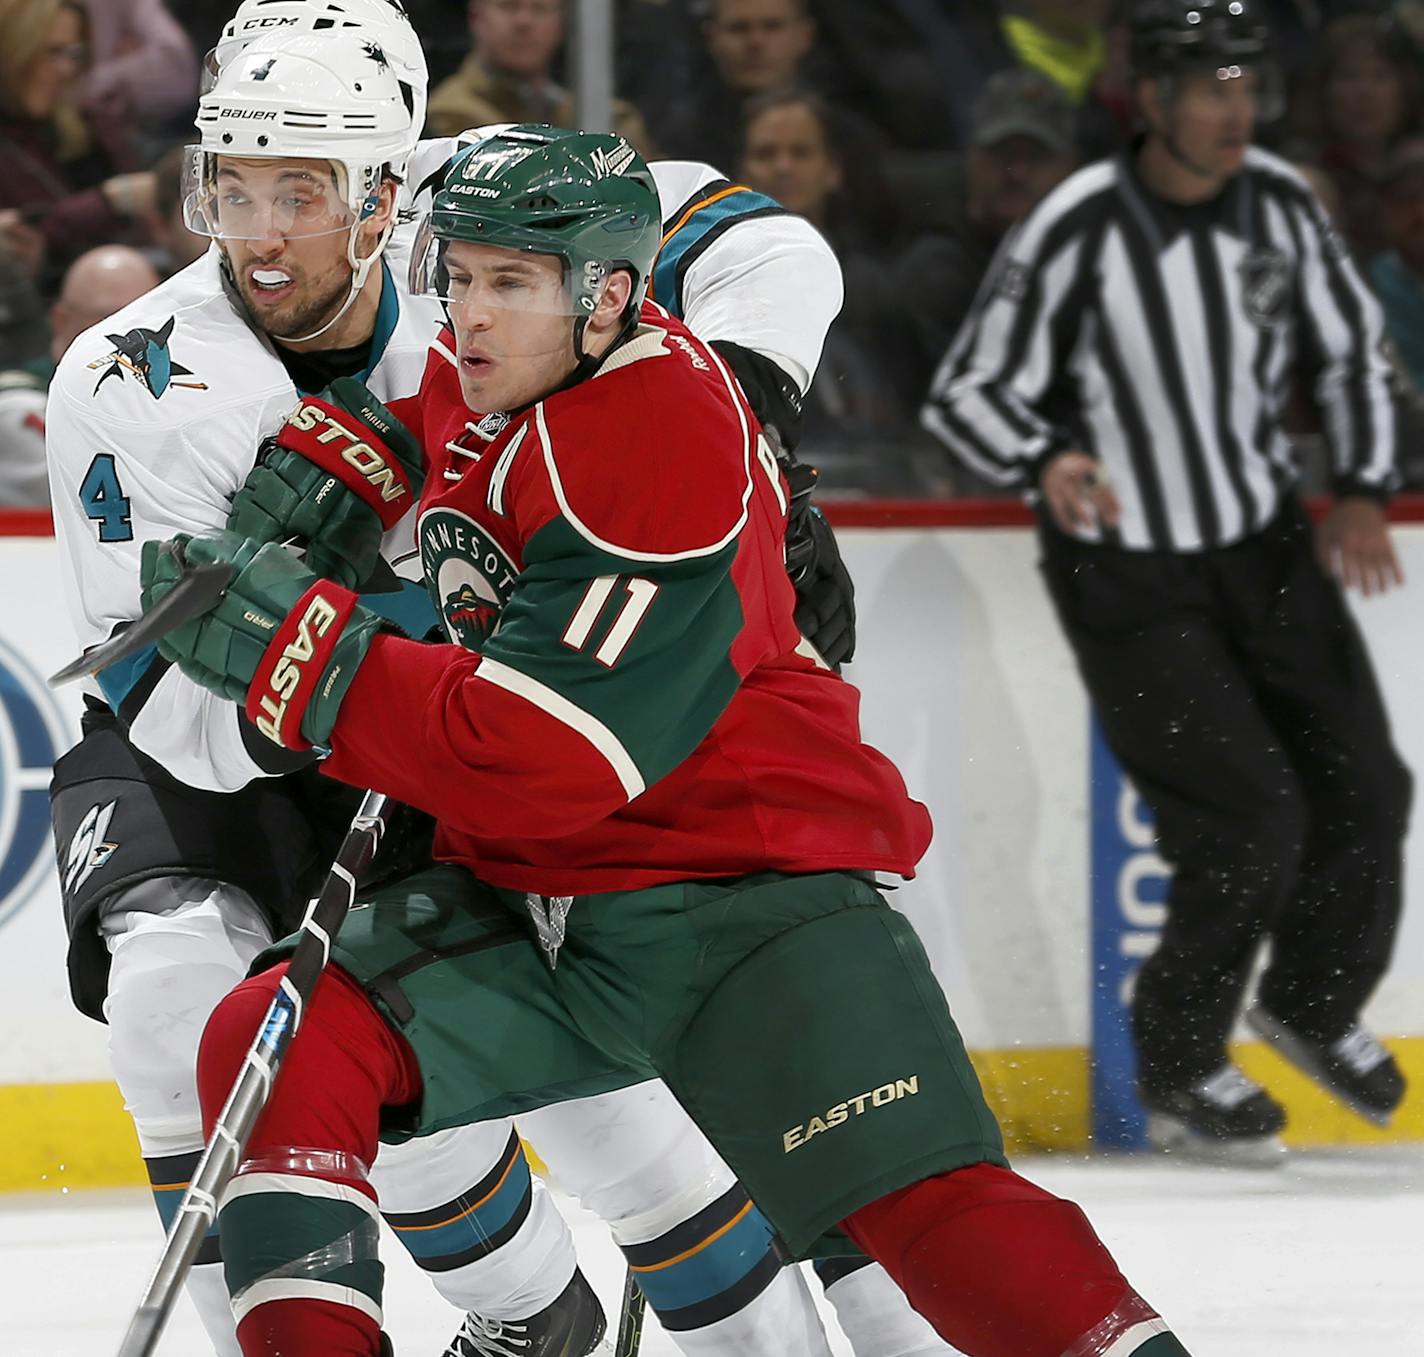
x: 587, y: 365
x: 360, y: 271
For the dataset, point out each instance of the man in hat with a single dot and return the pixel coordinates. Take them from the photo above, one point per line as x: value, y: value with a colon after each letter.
x: 1023, y: 144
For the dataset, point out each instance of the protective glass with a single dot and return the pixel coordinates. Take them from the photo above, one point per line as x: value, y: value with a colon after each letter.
x: 225, y: 198
x: 470, y: 278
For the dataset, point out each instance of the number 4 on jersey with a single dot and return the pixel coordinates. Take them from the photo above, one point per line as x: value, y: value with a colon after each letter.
x: 104, y: 500
x: 639, y: 598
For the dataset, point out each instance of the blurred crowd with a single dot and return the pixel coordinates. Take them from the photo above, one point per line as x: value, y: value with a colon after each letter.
x: 913, y: 133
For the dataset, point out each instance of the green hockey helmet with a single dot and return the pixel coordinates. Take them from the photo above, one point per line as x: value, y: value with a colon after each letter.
x: 586, y: 198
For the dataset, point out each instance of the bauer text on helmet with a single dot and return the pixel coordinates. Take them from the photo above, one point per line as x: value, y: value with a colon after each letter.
x: 384, y: 22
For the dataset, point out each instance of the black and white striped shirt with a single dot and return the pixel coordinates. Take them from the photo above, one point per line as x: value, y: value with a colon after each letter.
x: 1165, y: 341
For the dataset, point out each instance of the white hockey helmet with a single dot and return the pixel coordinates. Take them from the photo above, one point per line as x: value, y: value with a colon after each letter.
x: 332, y: 97
x: 384, y: 21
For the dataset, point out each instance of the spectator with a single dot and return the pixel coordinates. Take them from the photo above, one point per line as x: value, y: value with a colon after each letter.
x: 506, y: 77
x: 1022, y: 144
x: 1411, y: 15
x: 24, y: 481
x: 792, y: 154
x: 24, y: 337
x: 1062, y: 39
x: 99, y: 283
x: 1107, y: 121
x: 754, y: 48
x: 1324, y: 188
x: 24, y: 358
x: 144, y: 70
x: 24, y: 343
x: 96, y: 285
x: 175, y: 245
x: 58, y: 192
x: 1361, y: 96
x: 914, y: 70
x: 1398, y: 273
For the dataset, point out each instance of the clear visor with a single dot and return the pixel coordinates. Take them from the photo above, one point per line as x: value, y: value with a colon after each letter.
x: 229, y: 198
x: 472, y: 279
x: 208, y: 73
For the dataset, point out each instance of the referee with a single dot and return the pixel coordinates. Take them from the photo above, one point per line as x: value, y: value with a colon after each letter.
x: 1129, y: 359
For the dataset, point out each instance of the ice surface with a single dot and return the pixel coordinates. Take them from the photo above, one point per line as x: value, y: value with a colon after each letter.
x: 1321, y: 1258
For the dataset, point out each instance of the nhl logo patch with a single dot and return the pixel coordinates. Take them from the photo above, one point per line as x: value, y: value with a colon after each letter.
x: 1265, y: 286
x: 1012, y: 281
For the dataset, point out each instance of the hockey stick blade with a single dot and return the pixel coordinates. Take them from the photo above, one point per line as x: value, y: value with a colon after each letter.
x: 144, y: 1331
x: 190, y: 598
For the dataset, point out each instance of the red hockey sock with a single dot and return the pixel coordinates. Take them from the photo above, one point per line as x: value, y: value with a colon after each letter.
x: 1000, y: 1267
x: 299, y: 1222
x: 309, y: 1326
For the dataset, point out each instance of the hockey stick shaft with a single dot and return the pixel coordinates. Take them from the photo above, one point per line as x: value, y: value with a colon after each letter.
x: 193, y: 595
x: 199, y: 1207
x: 630, y: 1318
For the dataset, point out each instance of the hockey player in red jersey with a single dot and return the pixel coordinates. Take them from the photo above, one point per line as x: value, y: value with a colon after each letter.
x: 658, y: 823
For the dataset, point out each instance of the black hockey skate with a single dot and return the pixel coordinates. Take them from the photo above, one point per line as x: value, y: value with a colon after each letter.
x: 1356, y: 1069
x: 572, y: 1326
x: 1224, y: 1118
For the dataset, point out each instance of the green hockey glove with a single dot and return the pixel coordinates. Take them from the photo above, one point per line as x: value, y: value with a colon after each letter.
x: 282, y: 643
x: 339, y: 473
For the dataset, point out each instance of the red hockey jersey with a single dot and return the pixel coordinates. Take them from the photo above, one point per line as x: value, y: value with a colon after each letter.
x: 625, y: 703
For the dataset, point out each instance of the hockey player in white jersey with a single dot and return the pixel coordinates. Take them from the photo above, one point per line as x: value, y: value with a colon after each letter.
x: 155, y: 421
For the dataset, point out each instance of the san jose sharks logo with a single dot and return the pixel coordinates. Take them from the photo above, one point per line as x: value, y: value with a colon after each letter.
x: 89, y: 849
x: 377, y: 53
x: 144, y: 354
x: 469, y: 576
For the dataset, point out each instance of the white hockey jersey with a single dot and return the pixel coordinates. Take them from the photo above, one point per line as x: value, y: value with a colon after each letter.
x: 155, y: 417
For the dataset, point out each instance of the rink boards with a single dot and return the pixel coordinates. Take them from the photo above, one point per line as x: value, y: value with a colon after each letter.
x: 1042, y: 875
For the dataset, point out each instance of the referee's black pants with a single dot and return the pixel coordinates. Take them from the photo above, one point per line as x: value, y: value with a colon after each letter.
x: 1235, y: 689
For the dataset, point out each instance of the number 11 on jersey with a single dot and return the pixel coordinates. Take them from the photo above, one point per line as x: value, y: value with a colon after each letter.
x: 639, y: 598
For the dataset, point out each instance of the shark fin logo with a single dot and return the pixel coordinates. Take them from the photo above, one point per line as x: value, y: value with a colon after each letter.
x: 88, y: 849
x: 377, y: 53
x: 144, y: 354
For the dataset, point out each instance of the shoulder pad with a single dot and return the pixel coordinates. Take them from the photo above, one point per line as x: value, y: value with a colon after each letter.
x: 653, y: 458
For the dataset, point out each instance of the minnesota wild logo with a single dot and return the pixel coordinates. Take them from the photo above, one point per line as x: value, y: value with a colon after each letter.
x: 468, y: 574
x: 144, y: 354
